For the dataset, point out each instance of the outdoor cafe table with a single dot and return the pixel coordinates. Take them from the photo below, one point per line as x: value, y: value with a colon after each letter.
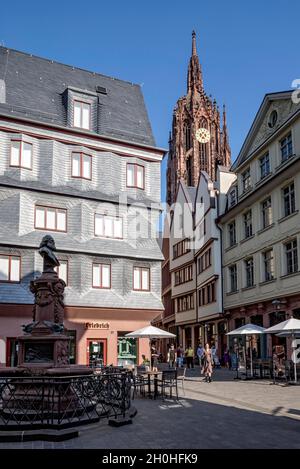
x: 153, y: 374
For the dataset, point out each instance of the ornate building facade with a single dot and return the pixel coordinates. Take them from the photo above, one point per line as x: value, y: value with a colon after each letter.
x: 261, y: 224
x: 197, y: 142
x: 78, y: 160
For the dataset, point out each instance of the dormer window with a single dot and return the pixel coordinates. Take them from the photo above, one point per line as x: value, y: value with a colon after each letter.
x: 82, y: 114
x: 21, y: 154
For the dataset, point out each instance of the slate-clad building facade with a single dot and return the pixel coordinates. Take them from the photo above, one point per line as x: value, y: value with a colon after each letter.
x: 78, y: 161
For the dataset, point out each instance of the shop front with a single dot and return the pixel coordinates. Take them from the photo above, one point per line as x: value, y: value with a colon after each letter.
x: 127, y: 350
x: 267, y: 314
x: 97, y: 336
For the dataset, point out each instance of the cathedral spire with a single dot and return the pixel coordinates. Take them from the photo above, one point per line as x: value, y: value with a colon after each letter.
x: 194, y: 81
x: 197, y: 142
x: 224, y: 129
x: 225, y: 140
x: 194, y: 48
x: 224, y: 117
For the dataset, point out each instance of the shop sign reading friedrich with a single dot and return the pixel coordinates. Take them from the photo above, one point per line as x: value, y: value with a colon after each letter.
x: 97, y: 325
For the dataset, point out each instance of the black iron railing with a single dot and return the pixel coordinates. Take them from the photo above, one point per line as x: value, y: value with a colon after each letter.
x: 62, y: 402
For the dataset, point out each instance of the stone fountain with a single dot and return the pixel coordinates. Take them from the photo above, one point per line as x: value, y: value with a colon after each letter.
x: 44, y: 347
x: 44, y: 397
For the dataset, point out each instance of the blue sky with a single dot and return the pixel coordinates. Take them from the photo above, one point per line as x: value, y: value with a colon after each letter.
x: 246, y: 48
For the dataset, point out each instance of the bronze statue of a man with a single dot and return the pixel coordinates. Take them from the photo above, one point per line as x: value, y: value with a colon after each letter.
x: 46, y: 250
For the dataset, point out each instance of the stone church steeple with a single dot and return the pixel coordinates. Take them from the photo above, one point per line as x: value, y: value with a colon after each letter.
x: 197, y: 141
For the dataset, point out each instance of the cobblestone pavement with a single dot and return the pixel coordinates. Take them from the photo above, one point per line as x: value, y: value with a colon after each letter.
x: 226, y: 413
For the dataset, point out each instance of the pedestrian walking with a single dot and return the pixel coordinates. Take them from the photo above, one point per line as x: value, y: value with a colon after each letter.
x: 154, y: 358
x: 179, y: 353
x: 189, y: 355
x: 200, y: 353
x: 172, y: 356
x: 213, y: 354
x: 207, y: 363
x: 226, y: 359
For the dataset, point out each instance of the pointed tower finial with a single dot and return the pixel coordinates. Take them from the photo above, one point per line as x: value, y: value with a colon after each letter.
x: 194, y: 48
x: 194, y: 81
x: 224, y: 116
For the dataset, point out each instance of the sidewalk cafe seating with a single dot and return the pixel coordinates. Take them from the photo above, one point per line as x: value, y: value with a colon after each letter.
x: 139, y: 381
x: 289, y: 370
x: 163, y: 366
x: 111, y: 369
x: 181, y: 372
x: 262, y: 368
x: 168, y: 382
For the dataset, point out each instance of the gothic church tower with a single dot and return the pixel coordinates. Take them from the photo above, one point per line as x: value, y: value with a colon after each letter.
x: 196, y: 142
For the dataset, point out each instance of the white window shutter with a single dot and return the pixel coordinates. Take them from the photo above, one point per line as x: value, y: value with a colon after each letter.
x: 87, y: 164
x: 99, y: 225
x: 96, y: 275
x: 76, y: 164
x: 106, y: 276
x: 62, y: 271
x: 4, y: 268
x: 140, y: 177
x: 15, y: 153
x: 77, y: 114
x: 118, y: 228
x: 86, y: 110
x: 26, y: 155
x: 15, y: 269
x: 136, y: 279
x: 40, y: 217
x: 108, y: 226
x: 145, y: 279
x: 61, y: 220
x: 51, y: 219
x: 130, y: 175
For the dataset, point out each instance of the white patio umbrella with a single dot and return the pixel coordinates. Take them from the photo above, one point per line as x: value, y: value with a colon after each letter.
x: 288, y: 328
x: 248, y: 330
x: 150, y: 332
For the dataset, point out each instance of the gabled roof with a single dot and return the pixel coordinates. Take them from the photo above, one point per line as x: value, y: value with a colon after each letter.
x: 34, y: 87
x: 192, y: 191
x: 268, y: 99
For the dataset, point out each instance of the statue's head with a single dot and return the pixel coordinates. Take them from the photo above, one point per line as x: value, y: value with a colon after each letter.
x: 48, y: 241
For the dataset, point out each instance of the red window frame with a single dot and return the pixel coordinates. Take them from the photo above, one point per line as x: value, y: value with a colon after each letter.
x: 101, y: 286
x: 67, y: 272
x: 81, y: 154
x: 108, y: 216
x: 46, y: 207
x: 20, y: 154
x: 135, y: 186
x: 9, y: 268
x: 149, y: 279
x: 90, y: 113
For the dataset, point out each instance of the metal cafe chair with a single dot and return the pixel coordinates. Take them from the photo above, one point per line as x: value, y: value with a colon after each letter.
x: 163, y: 366
x: 181, y: 372
x: 168, y: 381
x: 138, y: 380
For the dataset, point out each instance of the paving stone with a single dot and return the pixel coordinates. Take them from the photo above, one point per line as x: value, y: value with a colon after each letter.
x: 223, y: 414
